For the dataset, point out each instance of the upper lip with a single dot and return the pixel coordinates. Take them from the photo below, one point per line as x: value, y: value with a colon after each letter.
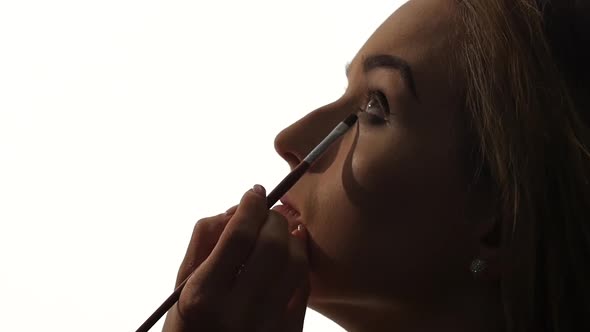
x: 287, y: 201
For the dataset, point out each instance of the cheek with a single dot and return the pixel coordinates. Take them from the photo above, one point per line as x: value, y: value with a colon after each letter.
x: 379, y: 172
x: 357, y: 189
x: 381, y: 200
x: 350, y: 206
x: 371, y: 172
x: 336, y: 217
x: 403, y: 170
x: 382, y: 156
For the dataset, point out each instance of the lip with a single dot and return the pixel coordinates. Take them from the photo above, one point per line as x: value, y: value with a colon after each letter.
x: 290, y: 213
x: 288, y: 202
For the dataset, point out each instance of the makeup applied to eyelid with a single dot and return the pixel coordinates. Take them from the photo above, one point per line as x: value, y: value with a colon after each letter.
x: 391, y: 62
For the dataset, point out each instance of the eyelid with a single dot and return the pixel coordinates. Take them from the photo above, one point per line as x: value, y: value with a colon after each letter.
x: 380, y: 97
x: 383, y: 104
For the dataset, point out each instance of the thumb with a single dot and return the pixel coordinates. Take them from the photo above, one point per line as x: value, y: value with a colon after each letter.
x: 297, y: 306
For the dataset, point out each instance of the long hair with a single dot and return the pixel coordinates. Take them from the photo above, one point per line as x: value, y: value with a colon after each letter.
x: 526, y: 68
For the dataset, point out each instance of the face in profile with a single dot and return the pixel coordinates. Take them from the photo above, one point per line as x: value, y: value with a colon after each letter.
x: 386, y: 207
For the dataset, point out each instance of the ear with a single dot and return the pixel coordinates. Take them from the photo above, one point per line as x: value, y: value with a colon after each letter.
x: 486, y: 222
x: 487, y: 234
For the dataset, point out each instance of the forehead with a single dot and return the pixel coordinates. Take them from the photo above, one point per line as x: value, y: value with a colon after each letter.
x: 419, y: 32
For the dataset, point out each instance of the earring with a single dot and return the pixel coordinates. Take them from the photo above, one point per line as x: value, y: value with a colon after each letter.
x: 241, y: 270
x: 477, y: 266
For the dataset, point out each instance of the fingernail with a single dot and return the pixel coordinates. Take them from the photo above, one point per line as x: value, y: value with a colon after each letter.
x: 259, y: 190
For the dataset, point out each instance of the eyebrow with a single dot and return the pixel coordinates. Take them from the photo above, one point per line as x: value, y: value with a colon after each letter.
x: 392, y: 62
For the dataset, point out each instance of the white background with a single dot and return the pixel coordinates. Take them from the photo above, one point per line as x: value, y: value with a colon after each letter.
x: 124, y: 122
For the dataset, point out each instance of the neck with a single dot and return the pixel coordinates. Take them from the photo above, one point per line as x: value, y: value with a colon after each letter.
x: 480, y: 311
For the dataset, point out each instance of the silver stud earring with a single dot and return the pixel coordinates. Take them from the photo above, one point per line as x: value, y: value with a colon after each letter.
x: 241, y: 270
x: 477, y: 266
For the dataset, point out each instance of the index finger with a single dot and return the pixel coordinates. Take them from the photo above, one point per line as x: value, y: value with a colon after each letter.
x: 239, y: 237
x: 206, y: 233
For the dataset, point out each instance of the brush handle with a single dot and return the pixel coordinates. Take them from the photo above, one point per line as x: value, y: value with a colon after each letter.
x: 288, y: 182
x: 271, y: 199
x: 163, y: 308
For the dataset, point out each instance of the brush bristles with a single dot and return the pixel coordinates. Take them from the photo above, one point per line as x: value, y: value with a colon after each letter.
x: 350, y: 120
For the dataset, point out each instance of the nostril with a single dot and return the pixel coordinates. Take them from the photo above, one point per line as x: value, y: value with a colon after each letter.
x: 291, y: 159
x: 293, y: 142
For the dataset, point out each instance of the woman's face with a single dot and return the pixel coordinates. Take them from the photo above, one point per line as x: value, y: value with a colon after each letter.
x: 385, y: 206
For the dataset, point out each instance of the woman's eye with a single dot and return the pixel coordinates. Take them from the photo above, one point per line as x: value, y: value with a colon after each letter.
x: 377, y: 106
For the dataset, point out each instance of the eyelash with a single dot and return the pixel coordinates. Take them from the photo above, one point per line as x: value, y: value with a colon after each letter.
x: 381, y: 100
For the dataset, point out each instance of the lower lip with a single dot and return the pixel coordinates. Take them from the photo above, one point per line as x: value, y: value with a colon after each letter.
x: 293, y: 217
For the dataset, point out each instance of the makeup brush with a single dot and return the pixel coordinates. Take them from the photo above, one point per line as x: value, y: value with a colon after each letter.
x: 280, y: 190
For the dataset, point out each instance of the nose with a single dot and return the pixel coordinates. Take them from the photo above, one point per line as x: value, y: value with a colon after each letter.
x: 297, y: 140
